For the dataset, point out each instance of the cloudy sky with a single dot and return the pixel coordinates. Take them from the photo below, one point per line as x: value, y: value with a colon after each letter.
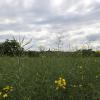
x: 77, y: 22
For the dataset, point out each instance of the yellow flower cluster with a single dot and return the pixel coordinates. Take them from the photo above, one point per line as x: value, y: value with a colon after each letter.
x: 5, y: 91
x: 60, y: 83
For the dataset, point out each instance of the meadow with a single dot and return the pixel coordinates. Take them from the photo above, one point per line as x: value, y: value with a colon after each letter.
x: 33, y: 78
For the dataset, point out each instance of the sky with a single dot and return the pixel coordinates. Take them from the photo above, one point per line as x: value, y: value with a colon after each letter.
x: 77, y: 22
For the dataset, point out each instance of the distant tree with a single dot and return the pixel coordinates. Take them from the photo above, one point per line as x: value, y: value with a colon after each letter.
x: 41, y: 48
x: 85, y: 52
x: 11, y: 48
x: 59, y: 41
x: 1, y: 50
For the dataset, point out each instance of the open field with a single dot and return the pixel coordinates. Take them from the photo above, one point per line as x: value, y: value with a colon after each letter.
x: 34, y: 78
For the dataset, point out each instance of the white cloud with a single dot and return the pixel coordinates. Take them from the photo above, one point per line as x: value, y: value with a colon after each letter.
x: 77, y: 21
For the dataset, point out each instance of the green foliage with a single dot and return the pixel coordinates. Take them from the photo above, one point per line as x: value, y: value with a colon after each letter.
x: 97, y: 53
x: 10, y: 48
x: 32, y: 53
x: 85, y: 52
x: 13, y: 48
x: 37, y: 77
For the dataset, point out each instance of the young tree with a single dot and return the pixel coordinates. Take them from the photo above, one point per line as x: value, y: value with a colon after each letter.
x: 59, y: 41
x: 41, y: 48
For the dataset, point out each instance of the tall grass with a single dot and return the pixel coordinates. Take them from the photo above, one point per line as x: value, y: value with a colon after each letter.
x: 33, y: 78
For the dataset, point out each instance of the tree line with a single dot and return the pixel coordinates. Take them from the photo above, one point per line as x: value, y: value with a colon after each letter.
x: 14, y: 48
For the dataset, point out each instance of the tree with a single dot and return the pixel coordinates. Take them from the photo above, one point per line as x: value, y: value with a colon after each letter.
x: 1, y: 50
x: 11, y: 48
x: 86, y: 52
x: 59, y: 41
x: 41, y: 48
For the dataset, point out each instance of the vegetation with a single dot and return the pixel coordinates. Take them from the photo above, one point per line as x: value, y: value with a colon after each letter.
x: 14, y: 48
x: 10, y: 48
x: 34, y: 78
x: 48, y: 75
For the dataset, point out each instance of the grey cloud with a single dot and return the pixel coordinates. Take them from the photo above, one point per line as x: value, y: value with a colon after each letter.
x: 93, y: 37
x: 40, y: 14
x: 4, y: 37
x: 43, y: 9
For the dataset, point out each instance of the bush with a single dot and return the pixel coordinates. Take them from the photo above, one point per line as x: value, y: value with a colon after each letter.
x: 11, y: 48
x: 85, y: 52
x: 32, y: 53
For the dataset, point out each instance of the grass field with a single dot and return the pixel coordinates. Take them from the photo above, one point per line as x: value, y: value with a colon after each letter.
x: 34, y: 78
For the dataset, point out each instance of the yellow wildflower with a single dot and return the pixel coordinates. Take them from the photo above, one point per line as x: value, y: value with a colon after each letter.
x: 5, y: 95
x: 0, y: 93
x: 56, y: 81
x: 64, y: 87
x: 74, y: 86
x: 6, y: 88
x: 60, y: 83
